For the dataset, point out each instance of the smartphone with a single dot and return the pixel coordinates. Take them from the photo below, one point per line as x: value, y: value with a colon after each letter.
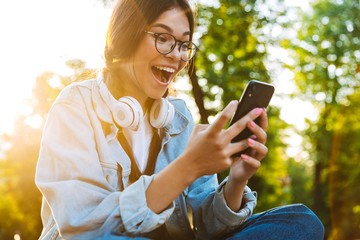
x: 257, y: 94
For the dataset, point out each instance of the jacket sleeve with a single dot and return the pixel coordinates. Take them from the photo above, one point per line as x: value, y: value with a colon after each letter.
x: 71, y: 179
x: 212, y: 216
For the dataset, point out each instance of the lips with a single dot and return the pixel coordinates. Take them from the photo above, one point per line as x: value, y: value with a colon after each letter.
x: 163, y: 74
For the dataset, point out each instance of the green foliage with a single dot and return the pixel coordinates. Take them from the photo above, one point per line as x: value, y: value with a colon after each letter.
x: 20, y: 200
x: 301, y: 180
x: 327, y: 50
x: 20, y: 195
x: 230, y: 51
x: 233, y: 52
x: 326, y: 71
x: 344, y: 172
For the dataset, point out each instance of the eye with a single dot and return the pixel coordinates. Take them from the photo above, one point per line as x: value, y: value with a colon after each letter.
x: 185, y: 47
x: 162, y: 38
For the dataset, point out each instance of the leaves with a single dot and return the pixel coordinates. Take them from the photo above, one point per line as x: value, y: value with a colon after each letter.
x: 326, y: 74
x: 20, y: 201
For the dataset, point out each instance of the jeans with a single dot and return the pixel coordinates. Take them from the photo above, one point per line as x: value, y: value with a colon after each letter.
x: 286, y: 222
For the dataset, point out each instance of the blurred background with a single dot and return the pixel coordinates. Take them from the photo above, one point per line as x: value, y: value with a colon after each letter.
x: 309, y: 49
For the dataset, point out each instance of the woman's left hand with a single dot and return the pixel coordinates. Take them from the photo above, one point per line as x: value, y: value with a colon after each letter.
x: 244, y: 167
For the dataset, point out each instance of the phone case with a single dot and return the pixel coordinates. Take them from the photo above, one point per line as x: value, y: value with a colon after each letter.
x: 257, y: 94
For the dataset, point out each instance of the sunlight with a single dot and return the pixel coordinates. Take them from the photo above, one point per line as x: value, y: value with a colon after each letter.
x: 42, y: 39
x: 295, y: 111
x: 34, y: 121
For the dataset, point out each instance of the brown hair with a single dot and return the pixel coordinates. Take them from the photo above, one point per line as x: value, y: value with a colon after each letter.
x: 128, y: 22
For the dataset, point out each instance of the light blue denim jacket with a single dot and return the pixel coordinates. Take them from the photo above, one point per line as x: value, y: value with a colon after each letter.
x: 83, y: 175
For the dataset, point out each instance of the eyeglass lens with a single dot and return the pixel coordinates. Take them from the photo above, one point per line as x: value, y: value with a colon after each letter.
x: 165, y: 43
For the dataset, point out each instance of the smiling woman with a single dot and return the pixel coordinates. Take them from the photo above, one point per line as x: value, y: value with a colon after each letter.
x: 120, y: 159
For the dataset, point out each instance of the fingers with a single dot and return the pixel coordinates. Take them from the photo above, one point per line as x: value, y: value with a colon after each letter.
x: 240, y: 125
x: 259, y: 132
x: 237, y: 147
x: 256, y: 147
x: 223, y: 118
x: 252, y: 162
x: 260, y: 149
x: 263, y: 123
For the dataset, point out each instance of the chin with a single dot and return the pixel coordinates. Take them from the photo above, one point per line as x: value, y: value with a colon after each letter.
x: 157, y: 95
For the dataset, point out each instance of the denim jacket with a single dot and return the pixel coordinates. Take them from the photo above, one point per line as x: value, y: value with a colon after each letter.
x: 83, y: 174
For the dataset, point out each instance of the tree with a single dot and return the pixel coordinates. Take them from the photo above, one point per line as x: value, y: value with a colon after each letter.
x: 327, y: 57
x: 20, y: 199
x: 232, y: 52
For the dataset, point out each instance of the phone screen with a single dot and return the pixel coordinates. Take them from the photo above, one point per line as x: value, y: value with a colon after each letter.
x: 256, y: 95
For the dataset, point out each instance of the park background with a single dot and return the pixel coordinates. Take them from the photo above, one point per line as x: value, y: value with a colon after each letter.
x: 310, y: 51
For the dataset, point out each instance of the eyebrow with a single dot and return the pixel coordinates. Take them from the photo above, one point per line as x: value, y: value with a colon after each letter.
x: 167, y: 28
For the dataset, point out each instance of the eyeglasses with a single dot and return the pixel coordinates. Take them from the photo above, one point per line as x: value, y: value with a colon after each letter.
x: 165, y: 43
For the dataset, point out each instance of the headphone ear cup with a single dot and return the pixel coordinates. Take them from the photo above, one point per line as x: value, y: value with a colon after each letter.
x: 162, y: 113
x: 128, y: 112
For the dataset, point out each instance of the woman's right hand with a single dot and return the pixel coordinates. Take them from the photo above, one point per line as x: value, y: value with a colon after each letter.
x: 208, y: 151
x: 209, y: 148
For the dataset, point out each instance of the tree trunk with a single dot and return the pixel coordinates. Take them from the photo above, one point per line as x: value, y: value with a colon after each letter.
x: 198, y: 93
x: 317, y: 189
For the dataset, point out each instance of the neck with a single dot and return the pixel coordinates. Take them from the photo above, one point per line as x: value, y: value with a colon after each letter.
x: 117, y: 87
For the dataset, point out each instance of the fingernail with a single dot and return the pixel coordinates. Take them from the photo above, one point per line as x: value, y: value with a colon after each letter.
x: 252, y: 124
x: 253, y: 136
x: 258, y: 111
x: 243, y: 156
x: 234, y: 102
x: 251, y: 142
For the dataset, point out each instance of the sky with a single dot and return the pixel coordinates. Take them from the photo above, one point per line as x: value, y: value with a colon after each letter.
x: 41, y: 35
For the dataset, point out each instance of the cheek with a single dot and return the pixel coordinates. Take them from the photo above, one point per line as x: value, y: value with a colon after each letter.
x: 146, y: 50
x: 148, y: 54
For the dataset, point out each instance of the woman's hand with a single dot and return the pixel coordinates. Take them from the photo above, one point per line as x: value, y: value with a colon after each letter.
x: 208, y: 151
x: 209, y: 148
x: 244, y: 167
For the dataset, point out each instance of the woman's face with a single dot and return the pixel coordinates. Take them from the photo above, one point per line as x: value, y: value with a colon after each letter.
x: 149, y: 73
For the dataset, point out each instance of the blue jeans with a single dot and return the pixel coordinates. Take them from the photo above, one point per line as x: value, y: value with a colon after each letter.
x: 286, y: 222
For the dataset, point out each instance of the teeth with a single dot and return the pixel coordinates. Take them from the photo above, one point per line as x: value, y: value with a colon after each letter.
x: 167, y: 69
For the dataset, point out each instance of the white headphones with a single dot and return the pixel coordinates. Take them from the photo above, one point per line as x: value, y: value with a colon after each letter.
x: 127, y: 111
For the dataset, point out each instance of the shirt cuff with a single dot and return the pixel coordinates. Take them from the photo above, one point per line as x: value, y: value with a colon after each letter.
x: 136, y: 216
x: 228, y: 216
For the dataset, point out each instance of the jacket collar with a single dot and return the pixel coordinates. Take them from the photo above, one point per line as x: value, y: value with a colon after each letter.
x: 179, y: 123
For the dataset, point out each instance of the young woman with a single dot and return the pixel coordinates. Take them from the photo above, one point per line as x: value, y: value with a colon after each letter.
x: 118, y: 159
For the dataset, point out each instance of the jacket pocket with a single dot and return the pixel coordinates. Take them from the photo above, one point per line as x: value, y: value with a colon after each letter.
x: 112, y: 173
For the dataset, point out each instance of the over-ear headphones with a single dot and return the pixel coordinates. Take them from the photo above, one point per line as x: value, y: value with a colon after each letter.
x: 127, y: 111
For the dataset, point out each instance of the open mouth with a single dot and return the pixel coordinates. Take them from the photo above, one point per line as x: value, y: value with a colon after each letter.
x: 163, y: 74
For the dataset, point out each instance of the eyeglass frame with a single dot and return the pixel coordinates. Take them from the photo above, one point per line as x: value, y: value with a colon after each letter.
x: 174, y: 46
